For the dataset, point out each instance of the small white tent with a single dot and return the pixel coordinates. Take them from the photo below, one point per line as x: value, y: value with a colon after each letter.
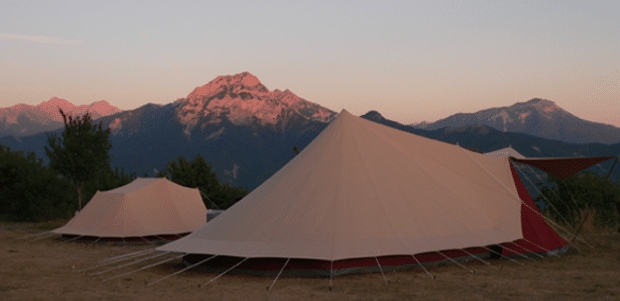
x: 144, y: 207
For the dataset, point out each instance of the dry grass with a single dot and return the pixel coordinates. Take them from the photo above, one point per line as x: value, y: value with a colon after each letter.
x: 43, y: 270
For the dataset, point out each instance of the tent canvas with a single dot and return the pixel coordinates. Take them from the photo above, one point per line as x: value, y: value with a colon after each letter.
x: 505, y: 152
x: 142, y: 208
x: 362, y: 193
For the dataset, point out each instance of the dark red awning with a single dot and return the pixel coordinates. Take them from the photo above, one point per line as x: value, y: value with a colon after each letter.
x: 562, y: 167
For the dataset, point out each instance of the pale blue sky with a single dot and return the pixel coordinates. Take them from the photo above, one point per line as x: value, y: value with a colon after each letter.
x: 409, y: 60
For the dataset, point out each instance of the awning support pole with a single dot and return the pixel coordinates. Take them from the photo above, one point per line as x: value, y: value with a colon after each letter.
x: 274, y: 281
x: 222, y: 274
x: 183, y: 270
x: 612, y: 167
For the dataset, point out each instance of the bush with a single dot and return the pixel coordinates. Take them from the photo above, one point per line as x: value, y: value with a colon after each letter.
x: 30, y: 191
x: 197, y: 173
x: 106, y: 179
x: 592, y: 193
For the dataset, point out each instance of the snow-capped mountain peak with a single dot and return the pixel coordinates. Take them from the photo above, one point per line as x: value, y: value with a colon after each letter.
x: 243, y: 99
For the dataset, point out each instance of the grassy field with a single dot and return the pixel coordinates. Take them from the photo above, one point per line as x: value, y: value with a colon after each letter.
x: 45, y: 269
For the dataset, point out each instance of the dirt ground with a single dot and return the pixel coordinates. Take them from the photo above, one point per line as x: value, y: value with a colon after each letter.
x: 48, y: 269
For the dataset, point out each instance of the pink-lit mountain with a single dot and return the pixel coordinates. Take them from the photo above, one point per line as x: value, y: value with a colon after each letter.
x: 243, y: 99
x: 22, y: 119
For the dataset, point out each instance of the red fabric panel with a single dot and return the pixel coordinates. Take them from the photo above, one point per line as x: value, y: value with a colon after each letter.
x: 535, y: 228
x: 562, y: 167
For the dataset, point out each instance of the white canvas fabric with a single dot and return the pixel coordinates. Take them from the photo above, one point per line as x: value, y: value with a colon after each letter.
x: 505, y: 152
x: 362, y: 189
x: 144, y: 207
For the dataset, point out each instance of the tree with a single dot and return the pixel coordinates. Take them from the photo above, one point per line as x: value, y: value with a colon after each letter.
x: 81, y: 151
x: 107, y: 179
x: 30, y: 191
x: 198, y: 173
x: 475, y: 149
x: 593, y: 194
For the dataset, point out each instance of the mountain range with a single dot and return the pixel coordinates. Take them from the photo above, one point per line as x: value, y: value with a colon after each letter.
x: 247, y: 132
x: 23, y: 120
x: 536, y: 117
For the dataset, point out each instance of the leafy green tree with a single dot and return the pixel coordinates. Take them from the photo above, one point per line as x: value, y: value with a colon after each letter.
x: 585, y: 193
x: 198, y: 173
x: 30, y: 191
x: 107, y: 179
x: 81, y: 152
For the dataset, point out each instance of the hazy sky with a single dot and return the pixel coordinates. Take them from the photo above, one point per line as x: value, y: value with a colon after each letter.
x: 409, y: 60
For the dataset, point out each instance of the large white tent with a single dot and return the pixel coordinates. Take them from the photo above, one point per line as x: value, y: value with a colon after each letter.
x: 364, y: 190
x: 144, y: 207
x: 505, y: 152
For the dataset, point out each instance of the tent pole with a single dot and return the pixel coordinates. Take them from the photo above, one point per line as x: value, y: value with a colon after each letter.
x: 454, y: 261
x: 218, y: 208
x: 422, y: 266
x: 381, y: 269
x: 479, y: 259
x: 612, y: 167
x: 146, y: 267
x: 98, y: 238
x: 274, y: 281
x: 183, y: 270
x: 128, y: 264
x: 502, y: 256
x: 229, y: 269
